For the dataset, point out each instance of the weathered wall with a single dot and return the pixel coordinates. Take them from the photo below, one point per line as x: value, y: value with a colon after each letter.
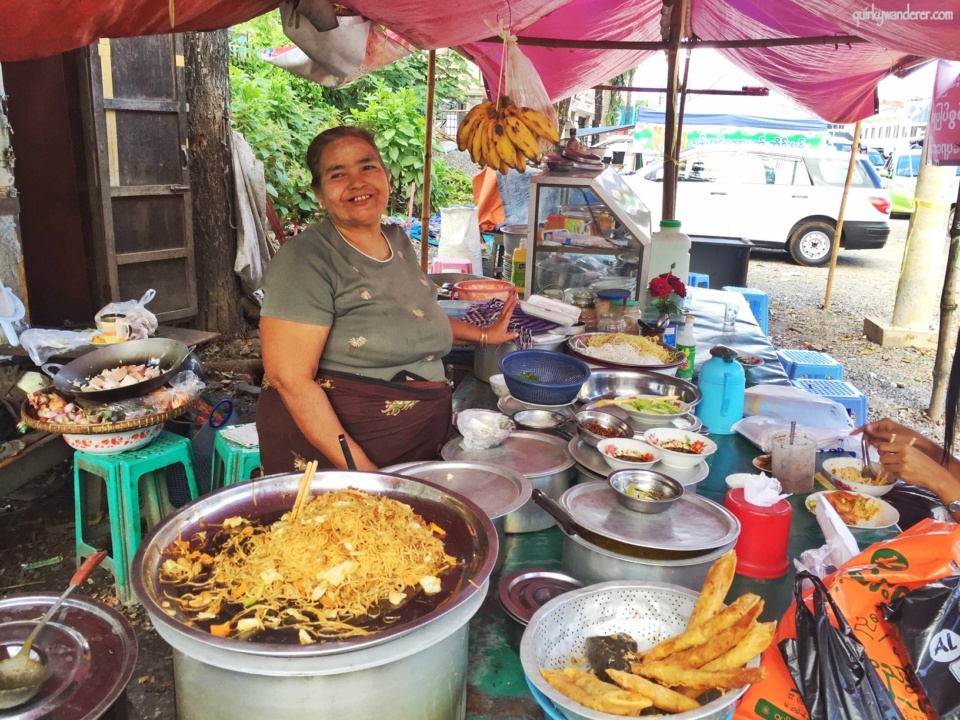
x: 11, y: 256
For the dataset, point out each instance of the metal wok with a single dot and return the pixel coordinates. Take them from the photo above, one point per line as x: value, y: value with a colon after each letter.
x: 166, y: 354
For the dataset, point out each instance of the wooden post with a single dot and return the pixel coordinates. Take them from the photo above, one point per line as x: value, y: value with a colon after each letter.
x: 427, y: 163
x: 948, y: 308
x: 854, y: 152
x: 670, y: 139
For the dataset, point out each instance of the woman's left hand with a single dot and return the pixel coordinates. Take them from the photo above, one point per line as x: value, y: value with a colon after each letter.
x: 497, y: 334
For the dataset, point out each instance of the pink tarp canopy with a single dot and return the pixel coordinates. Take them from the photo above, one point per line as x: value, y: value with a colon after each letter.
x: 836, y: 83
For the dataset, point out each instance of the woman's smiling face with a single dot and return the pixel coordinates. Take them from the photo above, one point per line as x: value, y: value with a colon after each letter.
x: 353, y: 184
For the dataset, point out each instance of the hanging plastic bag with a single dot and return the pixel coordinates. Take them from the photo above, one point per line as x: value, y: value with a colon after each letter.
x: 520, y: 81
x: 460, y: 236
x: 883, y: 572
x: 928, y: 621
x: 142, y: 322
x: 829, y: 665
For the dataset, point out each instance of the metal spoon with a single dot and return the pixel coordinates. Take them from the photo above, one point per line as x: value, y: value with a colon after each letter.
x: 21, y: 676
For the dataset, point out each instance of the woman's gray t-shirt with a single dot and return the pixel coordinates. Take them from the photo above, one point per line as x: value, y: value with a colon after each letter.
x: 383, y: 315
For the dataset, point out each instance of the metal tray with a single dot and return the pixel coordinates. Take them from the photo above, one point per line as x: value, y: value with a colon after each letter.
x: 530, y: 453
x: 692, y: 523
x: 687, y: 421
x: 509, y: 405
x: 591, y: 459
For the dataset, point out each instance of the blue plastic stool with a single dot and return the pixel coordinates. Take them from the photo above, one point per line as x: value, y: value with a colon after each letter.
x: 123, y: 474
x: 232, y: 462
x: 759, y: 303
x: 807, y: 364
x: 843, y: 392
x: 698, y: 280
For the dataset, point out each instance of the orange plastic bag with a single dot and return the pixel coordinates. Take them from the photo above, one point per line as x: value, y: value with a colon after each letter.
x: 879, y: 574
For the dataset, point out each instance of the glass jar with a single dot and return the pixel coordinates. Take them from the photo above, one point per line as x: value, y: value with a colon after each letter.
x: 633, y: 314
x: 584, y: 299
x: 612, y: 323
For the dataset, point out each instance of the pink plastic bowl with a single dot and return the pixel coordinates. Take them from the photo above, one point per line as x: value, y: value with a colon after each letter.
x: 480, y: 290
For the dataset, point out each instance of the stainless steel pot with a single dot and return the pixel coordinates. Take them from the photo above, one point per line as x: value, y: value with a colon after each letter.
x: 591, y: 564
x: 485, y: 360
x: 414, y: 669
x: 563, y: 275
x: 513, y: 236
x: 593, y: 558
x: 543, y: 459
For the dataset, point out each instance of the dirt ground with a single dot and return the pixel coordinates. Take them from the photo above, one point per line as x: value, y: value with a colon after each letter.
x: 36, y: 523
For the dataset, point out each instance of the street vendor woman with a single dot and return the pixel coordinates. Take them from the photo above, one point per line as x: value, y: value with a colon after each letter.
x: 352, y: 335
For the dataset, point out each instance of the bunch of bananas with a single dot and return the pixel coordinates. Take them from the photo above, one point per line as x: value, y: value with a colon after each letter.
x: 504, y: 135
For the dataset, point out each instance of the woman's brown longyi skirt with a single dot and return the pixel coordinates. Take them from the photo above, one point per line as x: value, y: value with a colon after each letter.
x: 394, y: 422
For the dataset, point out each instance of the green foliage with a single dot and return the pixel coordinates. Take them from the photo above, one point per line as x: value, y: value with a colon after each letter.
x: 279, y: 114
x: 393, y: 115
x: 616, y: 97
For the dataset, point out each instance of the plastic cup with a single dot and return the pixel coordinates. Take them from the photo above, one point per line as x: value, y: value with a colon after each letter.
x: 730, y: 315
x: 794, y: 464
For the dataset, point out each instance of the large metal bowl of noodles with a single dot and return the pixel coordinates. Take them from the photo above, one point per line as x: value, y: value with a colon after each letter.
x: 416, y: 668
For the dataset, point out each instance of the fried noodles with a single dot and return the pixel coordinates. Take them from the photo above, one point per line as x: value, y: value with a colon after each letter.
x: 625, y: 349
x: 350, y: 556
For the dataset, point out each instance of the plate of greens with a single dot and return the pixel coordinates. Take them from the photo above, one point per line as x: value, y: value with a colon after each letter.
x: 650, y: 407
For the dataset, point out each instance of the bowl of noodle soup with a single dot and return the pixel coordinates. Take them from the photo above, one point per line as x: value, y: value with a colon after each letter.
x: 844, y: 472
x: 621, y: 351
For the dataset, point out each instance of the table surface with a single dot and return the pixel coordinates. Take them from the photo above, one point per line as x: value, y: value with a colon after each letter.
x: 496, y: 685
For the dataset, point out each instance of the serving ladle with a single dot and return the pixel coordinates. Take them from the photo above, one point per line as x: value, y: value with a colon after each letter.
x: 21, y: 676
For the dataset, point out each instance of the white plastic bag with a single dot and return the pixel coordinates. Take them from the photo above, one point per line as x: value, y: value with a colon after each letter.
x: 42, y: 345
x: 460, y: 236
x: 483, y: 429
x: 792, y: 403
x: 141, y: 321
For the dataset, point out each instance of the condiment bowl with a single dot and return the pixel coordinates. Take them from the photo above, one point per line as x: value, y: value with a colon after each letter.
x: 703, y: 446
x: 625, y: 481
x: 613, y: 426
x: 613, y: 450
x: 538, y: 420
x: 851, y: 466
x: 498, y: 385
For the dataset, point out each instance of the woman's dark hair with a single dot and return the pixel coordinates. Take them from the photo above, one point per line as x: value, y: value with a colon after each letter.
x: 952, y: 408
x: 324, y: 139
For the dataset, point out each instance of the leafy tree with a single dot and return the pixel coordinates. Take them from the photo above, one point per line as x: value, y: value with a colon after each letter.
x: 279, y: 114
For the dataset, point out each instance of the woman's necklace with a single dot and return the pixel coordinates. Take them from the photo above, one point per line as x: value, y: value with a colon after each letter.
x: 383, y: 253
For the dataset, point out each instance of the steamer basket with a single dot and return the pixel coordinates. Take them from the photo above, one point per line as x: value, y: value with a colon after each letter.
x: 650, y: 612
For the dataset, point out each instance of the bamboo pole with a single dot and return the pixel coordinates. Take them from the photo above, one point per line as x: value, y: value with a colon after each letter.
x: 684, y: 45
x: 948, y: 309
x: 670, y: 140
x: 854, y: 151
x: 750, y: 91
x: 427, y: 163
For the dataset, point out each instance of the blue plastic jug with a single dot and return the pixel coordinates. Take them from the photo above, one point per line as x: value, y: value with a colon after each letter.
x: 722, y: 384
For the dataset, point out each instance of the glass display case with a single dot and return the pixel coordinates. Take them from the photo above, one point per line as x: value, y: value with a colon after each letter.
x: 594, y: 233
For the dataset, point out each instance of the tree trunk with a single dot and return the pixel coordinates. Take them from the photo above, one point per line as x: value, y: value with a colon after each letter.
x: 211, y: 174
x: 563, y: 110
x: 597, y: 108
x: 948, y: 308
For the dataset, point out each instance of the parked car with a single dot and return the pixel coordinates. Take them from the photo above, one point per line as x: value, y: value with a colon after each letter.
x: 900, y: 177
x: 777, y: 198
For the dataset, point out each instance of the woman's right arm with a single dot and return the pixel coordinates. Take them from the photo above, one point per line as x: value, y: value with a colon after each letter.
x: 883, y: 431
x: 291, y: 355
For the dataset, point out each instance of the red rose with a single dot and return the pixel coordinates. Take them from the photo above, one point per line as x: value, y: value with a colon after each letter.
x: 677, y: 284
x: 660, y: 287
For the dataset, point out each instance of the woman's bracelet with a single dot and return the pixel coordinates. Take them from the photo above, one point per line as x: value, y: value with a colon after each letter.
x: 483, y: 338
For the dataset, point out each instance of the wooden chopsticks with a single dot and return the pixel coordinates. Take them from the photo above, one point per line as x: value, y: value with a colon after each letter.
x: 303, y: 492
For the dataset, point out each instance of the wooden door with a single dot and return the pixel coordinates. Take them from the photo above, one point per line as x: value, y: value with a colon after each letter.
x: 140, y: 179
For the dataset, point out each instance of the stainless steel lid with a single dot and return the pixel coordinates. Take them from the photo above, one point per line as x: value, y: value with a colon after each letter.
x: 692, y: 523
x: 524, y: 592
x: 530, y: 453
x: 497, y: 490
x: 91, y: 651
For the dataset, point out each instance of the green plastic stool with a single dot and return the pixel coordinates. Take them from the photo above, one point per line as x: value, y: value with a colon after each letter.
x: 232, y: 463
x: 123, y: 474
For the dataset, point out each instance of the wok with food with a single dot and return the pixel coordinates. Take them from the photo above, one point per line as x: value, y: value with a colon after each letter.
x: 114, y: 373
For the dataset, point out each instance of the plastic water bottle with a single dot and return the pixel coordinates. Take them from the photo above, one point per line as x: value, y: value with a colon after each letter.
x: 688, y: 346
x: 669, y: 247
